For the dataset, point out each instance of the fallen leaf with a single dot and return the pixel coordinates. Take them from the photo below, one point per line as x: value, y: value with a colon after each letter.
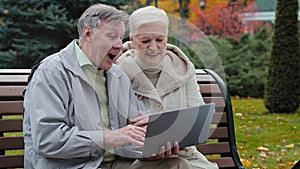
x: 280, y: 160
x: 289, y: 146
x: 281, y: 165
x: 263, y: 154
x: 239, y: 114
x: 279, y: 118
x: 246, y: 163
x: 261, y: 148
x: 290, y: 163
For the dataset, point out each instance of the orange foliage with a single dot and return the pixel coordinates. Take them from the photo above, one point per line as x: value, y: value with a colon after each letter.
x: 224, y: 19
x: 170, y: 6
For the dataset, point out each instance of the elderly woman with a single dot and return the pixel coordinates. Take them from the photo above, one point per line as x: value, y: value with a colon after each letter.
x: 161, y: 75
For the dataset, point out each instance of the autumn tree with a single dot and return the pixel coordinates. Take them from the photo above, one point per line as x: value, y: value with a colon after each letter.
x: 282, y: 89
x: 224, y: 19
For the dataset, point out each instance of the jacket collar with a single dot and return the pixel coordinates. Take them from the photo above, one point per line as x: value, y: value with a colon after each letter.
x: 69, y: 59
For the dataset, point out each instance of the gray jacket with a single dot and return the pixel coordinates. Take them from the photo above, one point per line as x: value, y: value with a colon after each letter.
x: 62, y: 120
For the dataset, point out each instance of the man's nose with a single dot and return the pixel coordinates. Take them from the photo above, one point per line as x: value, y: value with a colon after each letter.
x: 118, y: 44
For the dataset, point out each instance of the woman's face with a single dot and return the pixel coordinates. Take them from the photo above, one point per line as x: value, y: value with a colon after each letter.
x: 150, y: 45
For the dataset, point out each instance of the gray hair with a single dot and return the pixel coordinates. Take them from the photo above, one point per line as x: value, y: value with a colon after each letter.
x: 96, y: 13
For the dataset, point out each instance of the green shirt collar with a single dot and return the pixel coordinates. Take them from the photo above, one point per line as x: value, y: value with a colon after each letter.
x: 81, y: 57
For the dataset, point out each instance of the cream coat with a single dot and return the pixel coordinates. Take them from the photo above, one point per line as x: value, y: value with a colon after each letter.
x: 176, y: 86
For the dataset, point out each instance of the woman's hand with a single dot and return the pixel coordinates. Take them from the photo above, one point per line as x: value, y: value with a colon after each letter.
x: 166, y: 151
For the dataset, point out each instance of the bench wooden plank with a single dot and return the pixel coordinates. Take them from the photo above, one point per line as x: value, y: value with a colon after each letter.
x: 11, y: 125
x: 214, y: 148
x: 11, y: 107
x: 219, y: 101
x: 219, y: 118
x: 15, y: 71
x: 12, y: 91
x: 11, y: 161
x: 13, y: 79
x: 205, y: 79
x: 218, y: 133
x: 11, y: 143
x: 210, y: 89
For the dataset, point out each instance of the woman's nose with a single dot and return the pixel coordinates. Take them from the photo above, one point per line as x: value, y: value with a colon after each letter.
x: 152, y: 45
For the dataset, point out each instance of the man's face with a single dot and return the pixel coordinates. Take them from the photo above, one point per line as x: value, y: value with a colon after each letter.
x: 105, y: 43
x: 151, y: 46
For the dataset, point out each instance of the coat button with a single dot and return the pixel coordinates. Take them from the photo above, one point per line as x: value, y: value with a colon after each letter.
x: 158, y: 107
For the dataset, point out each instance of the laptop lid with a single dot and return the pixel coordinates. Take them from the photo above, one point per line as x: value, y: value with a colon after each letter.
x: 189, y: 126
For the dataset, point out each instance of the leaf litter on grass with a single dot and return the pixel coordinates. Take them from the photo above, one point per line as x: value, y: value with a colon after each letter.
x: 265, y: 140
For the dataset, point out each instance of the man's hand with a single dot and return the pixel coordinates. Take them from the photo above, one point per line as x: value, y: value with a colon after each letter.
x: 128, y: 134
x: 140, y: 119
x: 166, y: 151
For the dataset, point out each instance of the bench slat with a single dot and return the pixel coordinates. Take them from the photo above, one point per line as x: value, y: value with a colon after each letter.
x: 15, y: 71
x: 218, y: 133
x: 214, y: 148
x: 11, y: 107
x: 11, y: 143
x: 11, y: 125
x: 219, y: 101
x: 11, y: 161
x: 13, y: 79
x: 209, y: 89
x: 219, y: 118
x: 205, y: 79
x: 11, y: 91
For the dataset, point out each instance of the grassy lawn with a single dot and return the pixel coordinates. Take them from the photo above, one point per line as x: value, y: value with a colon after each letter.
x: 265, y: 140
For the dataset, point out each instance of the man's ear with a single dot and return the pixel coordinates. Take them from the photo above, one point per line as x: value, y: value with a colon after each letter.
x: 87, y: 32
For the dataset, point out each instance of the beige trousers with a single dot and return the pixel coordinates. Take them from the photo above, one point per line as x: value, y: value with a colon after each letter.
x: 196, y: 159
x: 169, y: 163
x: 189, y: 158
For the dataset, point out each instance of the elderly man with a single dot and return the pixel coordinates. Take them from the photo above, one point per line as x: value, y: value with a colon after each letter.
x: 78, y: 102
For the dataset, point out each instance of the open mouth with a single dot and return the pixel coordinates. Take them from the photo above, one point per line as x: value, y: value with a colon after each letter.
x: 112, y: 56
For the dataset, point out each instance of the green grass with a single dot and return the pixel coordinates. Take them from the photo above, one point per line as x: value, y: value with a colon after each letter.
x: 265, y: 140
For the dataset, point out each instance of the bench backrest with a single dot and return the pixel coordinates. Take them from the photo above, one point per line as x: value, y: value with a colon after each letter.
x: 12, y: 84
x: 220, y: 148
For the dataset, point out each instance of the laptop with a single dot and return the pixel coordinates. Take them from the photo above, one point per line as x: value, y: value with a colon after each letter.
x: 188, y: 126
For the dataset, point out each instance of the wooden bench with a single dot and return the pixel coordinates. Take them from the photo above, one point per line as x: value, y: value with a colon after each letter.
x: 220, y: 148
x: 12, y: 84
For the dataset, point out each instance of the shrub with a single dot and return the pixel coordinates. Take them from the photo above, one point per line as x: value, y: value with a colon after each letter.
x: 282, y: 89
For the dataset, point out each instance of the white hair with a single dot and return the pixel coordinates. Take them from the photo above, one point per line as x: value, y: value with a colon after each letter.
x: 147, y: 15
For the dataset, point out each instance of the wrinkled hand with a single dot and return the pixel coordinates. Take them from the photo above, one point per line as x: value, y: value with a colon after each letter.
x: 140, y: 119
x: 128, y: 134
x: 166, y: 151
